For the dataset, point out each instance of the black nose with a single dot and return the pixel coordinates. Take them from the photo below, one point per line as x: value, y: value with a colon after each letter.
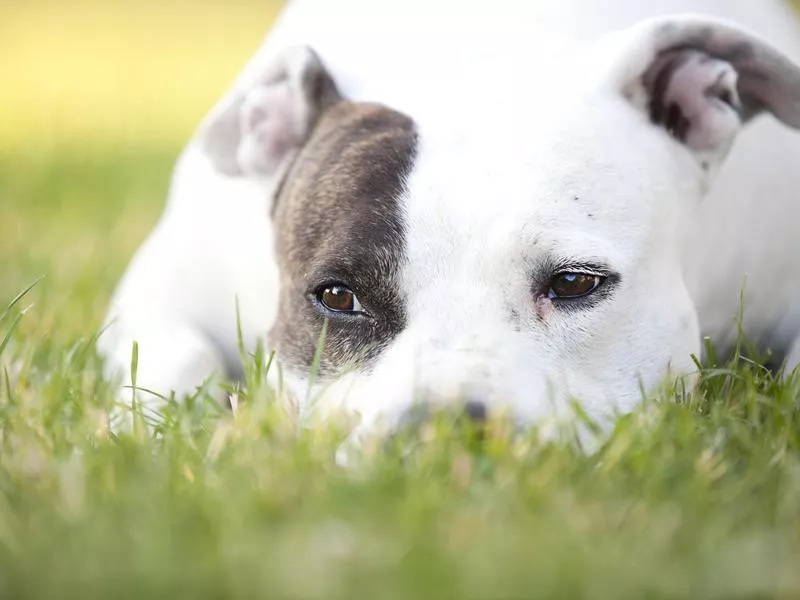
x: 475, y: 411
x: 471, y: 414
x: 469, y: 419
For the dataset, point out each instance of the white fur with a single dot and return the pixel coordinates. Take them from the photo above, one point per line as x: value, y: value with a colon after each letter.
x: 530, y: 117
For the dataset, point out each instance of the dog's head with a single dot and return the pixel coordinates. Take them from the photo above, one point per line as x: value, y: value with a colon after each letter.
x: 509, y: 256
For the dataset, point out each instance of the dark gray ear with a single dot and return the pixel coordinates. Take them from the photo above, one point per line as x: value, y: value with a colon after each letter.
x: 701, y: 79
x: 259, y: 129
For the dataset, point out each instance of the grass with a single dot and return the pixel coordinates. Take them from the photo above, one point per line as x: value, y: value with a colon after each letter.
x: 699, y: 499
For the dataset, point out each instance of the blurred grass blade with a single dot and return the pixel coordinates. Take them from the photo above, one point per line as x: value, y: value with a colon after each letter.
x: 7, y: 311
x: 240, y: 336
x: 9, y: 392
x: 14, y: 324
x: 312, y: 376
x: 137, y: 415
x: 18, y: 298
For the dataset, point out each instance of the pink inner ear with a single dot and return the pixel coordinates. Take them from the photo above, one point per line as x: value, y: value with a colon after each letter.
x: 260, y: 104
x: 702, y: 102
x: 275, y: 142
x: 256, y: 129
x: 256, y: 116
x: 268, y: 122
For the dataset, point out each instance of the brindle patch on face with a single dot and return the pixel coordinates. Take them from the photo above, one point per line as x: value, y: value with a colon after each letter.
x: 338, y: 220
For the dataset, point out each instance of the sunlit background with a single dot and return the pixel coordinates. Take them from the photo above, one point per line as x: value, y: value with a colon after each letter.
x: 693, y: 500
x: 109, y: 72
x: 96, y: 99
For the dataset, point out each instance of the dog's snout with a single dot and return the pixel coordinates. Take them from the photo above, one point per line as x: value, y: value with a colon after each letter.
x: 471, y: 412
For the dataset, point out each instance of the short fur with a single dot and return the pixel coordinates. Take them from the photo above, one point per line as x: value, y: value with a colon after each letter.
x: 446, y: 169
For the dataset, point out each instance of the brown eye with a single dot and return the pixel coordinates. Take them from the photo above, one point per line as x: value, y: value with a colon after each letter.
x: 573, y: 285
x: 339, y: 299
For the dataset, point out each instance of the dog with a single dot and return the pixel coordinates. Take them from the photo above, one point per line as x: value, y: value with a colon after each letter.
x: 481, y: 207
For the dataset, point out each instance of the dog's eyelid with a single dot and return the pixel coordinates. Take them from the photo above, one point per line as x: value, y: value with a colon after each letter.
x: 586, y: 268
x: 320, y: 278
x: 581, y: 271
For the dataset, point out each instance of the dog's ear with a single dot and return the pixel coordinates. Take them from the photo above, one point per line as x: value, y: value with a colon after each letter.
x: 259, y: 128
x: 701, y: 79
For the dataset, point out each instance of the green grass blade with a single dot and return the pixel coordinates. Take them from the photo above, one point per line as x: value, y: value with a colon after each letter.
x: 18, y: 298
x: 315, y: 363
x: 9, y: 334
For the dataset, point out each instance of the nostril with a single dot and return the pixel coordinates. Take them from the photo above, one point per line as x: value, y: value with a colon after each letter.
x: 468, y: 421
x: 471, y: 413
x: 474, y: 417
x: 476, y: 411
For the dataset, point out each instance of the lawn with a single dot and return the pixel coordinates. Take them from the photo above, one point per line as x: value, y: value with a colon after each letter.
x: 698, y: 499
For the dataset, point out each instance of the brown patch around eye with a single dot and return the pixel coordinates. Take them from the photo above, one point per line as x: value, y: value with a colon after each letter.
x: 338, y: 218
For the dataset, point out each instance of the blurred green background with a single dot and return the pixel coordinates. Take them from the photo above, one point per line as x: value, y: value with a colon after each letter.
x: 98, y: 96
x: 693, y: 500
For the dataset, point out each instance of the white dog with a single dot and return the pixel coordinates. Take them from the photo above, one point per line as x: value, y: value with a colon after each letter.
x: 505, y: 205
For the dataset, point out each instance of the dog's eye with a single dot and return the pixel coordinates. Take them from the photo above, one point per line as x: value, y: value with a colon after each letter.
x: 566, y: 286
x: 339, y: 299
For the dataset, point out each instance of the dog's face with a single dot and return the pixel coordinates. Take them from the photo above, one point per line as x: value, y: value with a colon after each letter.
x: 455, y: 269
x: 455, y: 263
